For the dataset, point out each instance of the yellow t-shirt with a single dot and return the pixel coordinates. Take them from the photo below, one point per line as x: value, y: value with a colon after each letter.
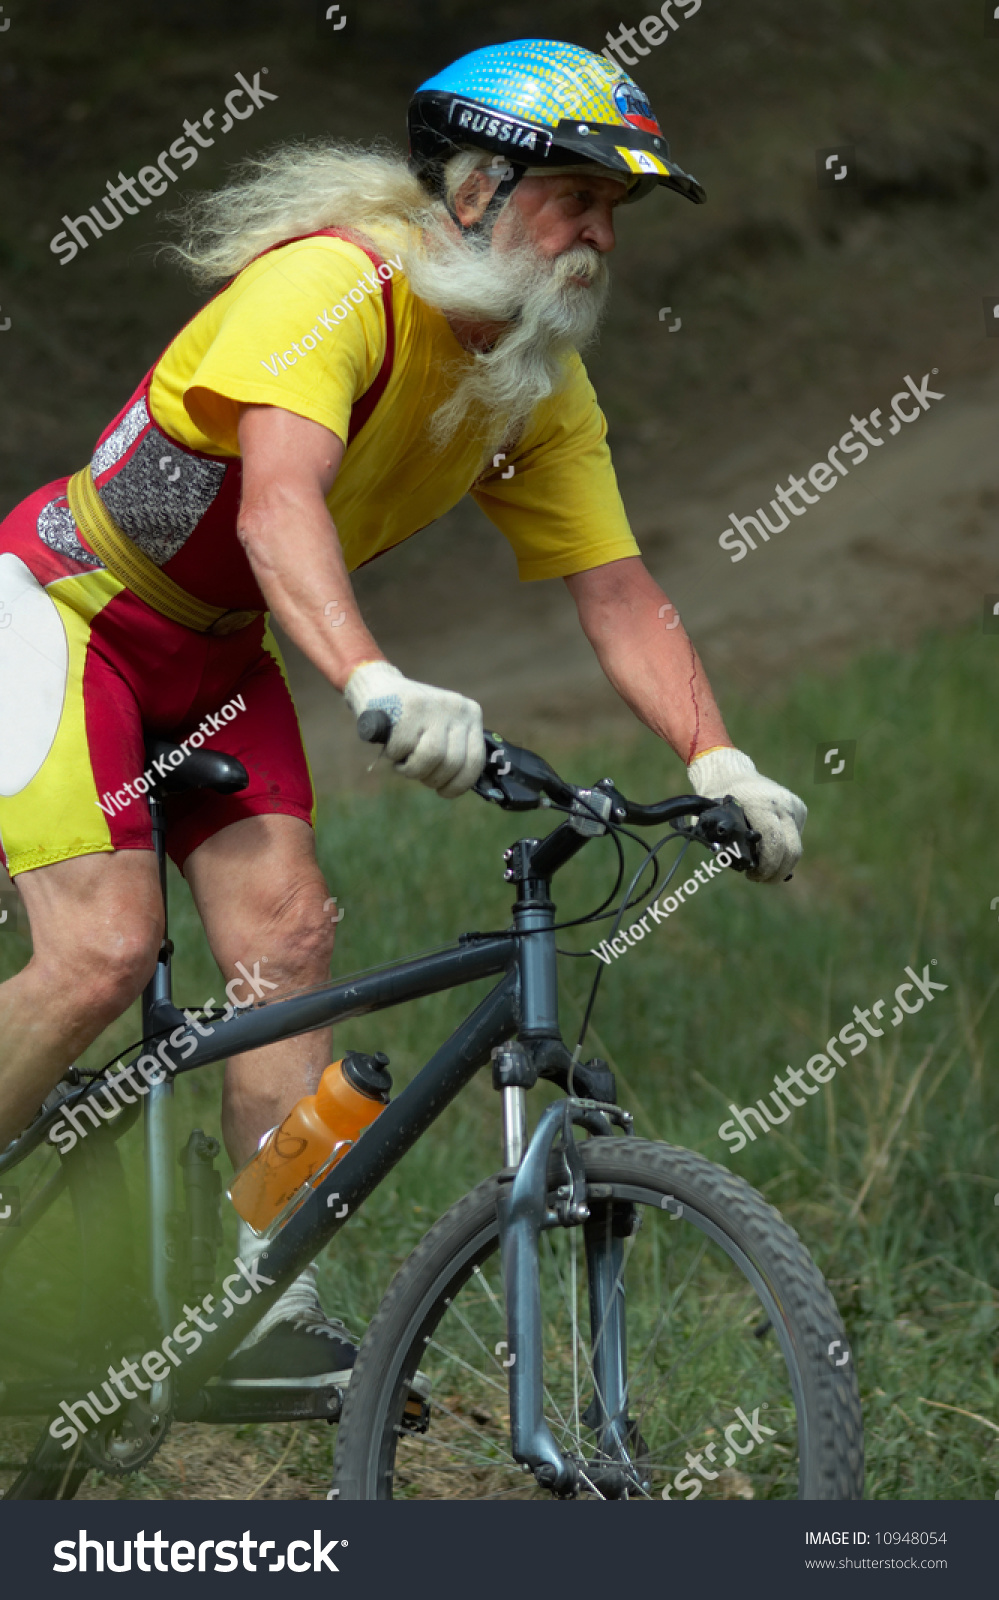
x: 275, y: 337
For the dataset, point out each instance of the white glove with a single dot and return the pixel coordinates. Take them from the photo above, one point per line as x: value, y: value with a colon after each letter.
x: 776, y: 813
x: 436, y: 734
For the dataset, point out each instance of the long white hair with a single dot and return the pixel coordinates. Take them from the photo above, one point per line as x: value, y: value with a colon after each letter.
x: 370, y: 191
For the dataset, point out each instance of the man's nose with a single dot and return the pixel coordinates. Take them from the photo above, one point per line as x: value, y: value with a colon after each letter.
x: 599, y: 232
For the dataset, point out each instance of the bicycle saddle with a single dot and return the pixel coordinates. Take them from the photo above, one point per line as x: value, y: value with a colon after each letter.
x: 196, y: 769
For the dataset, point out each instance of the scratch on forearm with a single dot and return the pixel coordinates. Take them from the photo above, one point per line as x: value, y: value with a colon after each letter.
x: 693, y: 697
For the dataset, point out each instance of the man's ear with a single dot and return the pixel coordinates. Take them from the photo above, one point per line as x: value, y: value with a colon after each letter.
x: 473, y: 197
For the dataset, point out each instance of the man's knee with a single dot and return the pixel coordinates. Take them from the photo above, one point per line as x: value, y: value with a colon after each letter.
x: 305, y: 931
x: 280, y: 911
x: 96, y: 925
x: 110, y: 965
x: 127, y: 954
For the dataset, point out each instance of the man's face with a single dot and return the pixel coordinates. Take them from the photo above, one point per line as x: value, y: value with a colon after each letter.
x: 560, y: 214
x: 524, y: 299
x: 553, y: 215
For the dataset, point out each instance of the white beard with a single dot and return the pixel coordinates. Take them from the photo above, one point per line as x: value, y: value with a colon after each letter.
x: 327, y: 184
x: 548, y: 318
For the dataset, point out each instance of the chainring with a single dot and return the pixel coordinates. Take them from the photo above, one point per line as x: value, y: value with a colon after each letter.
x: 132, y: 1436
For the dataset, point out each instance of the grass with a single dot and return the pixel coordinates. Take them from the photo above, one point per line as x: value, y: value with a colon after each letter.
x: 889, y: 1174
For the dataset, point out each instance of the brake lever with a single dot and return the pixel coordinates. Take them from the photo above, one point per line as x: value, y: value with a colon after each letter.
x: 516, y: 779
x: 726, y: 825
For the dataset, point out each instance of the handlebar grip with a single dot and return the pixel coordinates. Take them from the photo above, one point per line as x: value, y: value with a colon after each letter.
x: 725, y: 824
x: 375, y: 727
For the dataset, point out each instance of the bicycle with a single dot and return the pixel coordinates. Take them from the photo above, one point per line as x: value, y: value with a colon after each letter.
x: 575, y: 1326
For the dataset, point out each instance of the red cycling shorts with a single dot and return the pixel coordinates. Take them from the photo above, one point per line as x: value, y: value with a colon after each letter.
x: 87, y: 669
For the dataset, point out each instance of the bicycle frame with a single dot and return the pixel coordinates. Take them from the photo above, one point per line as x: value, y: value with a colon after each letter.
x: 524, y: 959
x: 393, y: 1132
x: 524, y: 1004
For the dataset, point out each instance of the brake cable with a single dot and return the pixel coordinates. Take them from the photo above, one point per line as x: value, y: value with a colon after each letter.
x: 650, y: 856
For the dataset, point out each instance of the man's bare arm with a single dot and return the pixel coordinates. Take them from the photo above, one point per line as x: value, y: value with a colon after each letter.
x: 653, y: 667
x: 289, y: 466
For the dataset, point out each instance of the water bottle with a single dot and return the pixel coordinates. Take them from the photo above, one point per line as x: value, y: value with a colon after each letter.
x: 317, y: 1133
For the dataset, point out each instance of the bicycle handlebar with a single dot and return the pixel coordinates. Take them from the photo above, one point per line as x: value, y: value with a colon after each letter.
x: 515, y: 779
x: 374, y: 727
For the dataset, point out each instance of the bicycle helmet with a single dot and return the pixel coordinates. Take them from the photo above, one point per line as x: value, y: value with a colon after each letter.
x: 543, y: 105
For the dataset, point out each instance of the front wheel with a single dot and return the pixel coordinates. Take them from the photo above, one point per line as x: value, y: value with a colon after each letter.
x: 741, y: 1383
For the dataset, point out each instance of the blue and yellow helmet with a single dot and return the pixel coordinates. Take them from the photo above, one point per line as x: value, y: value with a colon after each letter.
x: 538, y: 103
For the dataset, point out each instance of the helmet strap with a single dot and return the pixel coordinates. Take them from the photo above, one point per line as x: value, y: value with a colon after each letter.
x: 431, y: 175
x: 484, y: 227
x: 512, y: 174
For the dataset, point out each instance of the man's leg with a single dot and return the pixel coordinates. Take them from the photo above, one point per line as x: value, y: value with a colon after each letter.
x: 260, y: 894
x: 96, y: 926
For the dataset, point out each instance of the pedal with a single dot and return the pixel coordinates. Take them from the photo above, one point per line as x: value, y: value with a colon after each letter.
x: 415, y: 1414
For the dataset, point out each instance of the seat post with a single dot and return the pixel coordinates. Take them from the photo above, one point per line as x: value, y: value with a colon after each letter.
x: 159, y: 986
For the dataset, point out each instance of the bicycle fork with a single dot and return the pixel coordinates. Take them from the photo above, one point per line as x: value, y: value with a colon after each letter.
x: 523, y: 1213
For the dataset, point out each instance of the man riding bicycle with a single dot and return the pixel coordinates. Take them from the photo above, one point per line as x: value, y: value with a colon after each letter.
x: 385, y: 330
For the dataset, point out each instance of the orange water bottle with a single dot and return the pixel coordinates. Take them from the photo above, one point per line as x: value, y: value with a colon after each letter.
x: 317, y: 1133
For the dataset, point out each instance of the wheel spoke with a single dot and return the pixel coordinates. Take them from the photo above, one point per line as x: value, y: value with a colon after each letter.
x: 452, y: 1355
x: 688, y: 1297
x: 574, y: 1306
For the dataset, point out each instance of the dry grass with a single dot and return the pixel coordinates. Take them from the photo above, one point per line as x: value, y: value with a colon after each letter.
x: 267, y: 1461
